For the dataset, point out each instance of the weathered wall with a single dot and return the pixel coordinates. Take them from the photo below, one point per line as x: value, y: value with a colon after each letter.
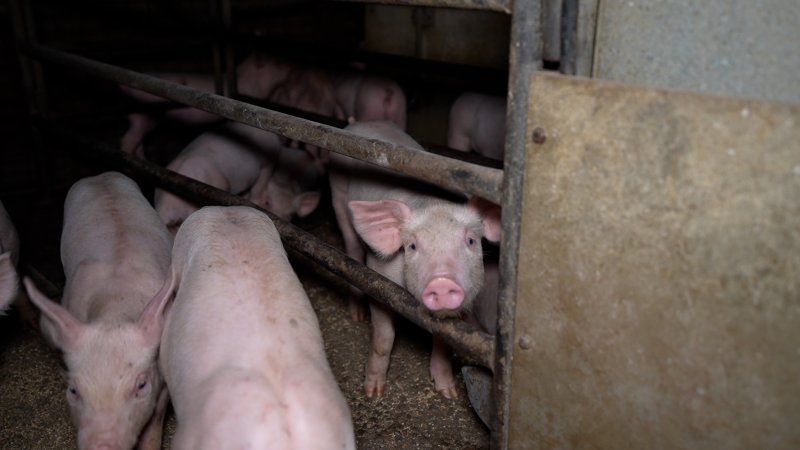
x: 740, y: 47
x: 475, y: 38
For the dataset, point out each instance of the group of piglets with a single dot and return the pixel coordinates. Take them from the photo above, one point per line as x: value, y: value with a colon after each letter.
x: 218, y: 322
x: 401, y: 221
x: 272, y: 172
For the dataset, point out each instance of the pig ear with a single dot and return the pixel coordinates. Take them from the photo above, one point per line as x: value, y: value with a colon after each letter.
x: 67, y: 329
x: 490, y: 214
x: 305, y: 203
x: 151, y: 321
x: 379, y: 222
x: 8, y: 280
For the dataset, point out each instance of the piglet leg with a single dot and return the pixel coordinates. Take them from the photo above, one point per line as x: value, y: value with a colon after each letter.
x: 382, y: 342
x: 442, y: 369
x: 352, y: 244
x: 150, y: 438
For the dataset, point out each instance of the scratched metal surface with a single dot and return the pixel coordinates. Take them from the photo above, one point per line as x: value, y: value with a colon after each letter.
x: 658, y: 301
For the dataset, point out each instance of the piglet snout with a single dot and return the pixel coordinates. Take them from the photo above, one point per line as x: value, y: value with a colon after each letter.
x: 442, y: 294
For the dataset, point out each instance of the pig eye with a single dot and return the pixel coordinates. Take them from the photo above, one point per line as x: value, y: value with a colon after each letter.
x: 142, y: 387
x: 412, y: 246
x: 72, y: 392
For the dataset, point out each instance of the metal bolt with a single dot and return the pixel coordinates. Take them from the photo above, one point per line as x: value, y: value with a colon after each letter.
x: 525, y: 342
x: 539, y: 136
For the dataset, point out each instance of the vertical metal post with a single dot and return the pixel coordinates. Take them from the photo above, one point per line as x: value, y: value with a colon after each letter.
x: 25, y: 35
x: 230, y: 64
x: 525, y: 57
x: 216, y: 48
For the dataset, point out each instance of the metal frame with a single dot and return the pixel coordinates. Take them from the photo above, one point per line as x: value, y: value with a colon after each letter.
x: 503, y: 6
x: 502, y: 187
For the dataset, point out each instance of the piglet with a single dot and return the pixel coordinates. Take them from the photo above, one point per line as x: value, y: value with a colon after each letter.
x: 257, y: 75
x: 242, y: 352
x: 423, y: 241
x: 9, y: 256
x: 236, y: 158
x: 478, y: 123
x: 364, y: 98
x: 116, y: 256
x: 292, y: 187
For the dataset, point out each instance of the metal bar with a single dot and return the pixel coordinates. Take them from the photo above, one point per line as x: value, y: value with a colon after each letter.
x: 22, y: 23
x: 525, y: 56
x: 400, y: 68
x: 230, y: 64
x: 45, y: 285
x: 551, y: 30
x: 216, y: 48
x: 473, y: 345
x: 457, y: 175
x: 569, y: 36
x: 489, y: 5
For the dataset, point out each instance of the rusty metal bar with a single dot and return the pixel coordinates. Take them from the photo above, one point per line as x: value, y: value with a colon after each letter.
x: 215, y: 7
x: 466, y: 339
x: 551, y: 30
x: 230, y: 64
x: 503, y: 6
x: 45, y: 285
x: 525, y: 57
x: 457, y: 175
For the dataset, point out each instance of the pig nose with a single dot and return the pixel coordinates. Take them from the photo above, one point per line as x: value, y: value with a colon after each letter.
x: 442, y: 293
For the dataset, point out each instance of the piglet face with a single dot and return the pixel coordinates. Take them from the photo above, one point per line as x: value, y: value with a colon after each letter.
x: 285, y: 200
x: 443, y: 257
x: 112, y: 386
x: 112, y: 371
x: 441, y: 245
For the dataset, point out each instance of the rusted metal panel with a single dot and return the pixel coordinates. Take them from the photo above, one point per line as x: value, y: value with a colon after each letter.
x: 658, y: 298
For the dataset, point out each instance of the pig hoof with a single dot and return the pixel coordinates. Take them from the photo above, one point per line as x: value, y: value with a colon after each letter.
x: 357, y: 311
x: 449, y: 392
x: 374, y: 389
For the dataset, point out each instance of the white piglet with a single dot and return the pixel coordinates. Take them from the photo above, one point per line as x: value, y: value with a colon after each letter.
x: 9, y: 256
x: 478, y: 123
x: 116, y: 257
x: 242, y: 351
x: 425, y: 243
x: 241, y: 160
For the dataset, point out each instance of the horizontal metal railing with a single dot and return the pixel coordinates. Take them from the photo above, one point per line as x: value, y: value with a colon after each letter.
x: 452, y: 174
x: 473, y: 345
x: 503, y: 6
